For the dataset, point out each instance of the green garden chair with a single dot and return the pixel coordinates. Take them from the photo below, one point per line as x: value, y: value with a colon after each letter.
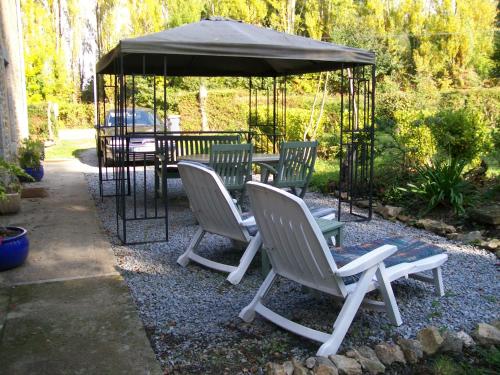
x: 295, y: 166
x: 233, y: 163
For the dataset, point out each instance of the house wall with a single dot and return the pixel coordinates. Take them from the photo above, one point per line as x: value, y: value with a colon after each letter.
x: 13, y: 105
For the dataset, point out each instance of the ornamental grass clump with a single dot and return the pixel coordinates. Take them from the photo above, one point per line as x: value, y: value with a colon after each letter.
x: 441, y: 183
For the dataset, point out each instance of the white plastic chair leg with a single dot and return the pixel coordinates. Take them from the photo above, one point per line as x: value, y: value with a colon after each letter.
x: 248, y: 312
x: 252, y: 248
x: 388, y: 295
x: 347, y: 314
x: 183, y: 260
x: 438, y: 281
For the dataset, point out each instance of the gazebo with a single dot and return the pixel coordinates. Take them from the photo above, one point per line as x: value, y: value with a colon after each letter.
x: 224, y: 47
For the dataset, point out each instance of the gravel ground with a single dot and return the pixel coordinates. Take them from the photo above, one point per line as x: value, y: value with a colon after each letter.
x: 191, y: 314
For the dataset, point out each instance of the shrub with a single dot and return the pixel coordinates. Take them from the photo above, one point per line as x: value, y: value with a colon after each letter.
x: 441, y: 183
x: 461, y: 134
x: 414, y: 139
x: 76, y: 115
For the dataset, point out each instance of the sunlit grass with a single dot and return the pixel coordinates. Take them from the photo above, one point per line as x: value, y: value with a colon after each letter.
x: 324, y: 171
x: 68, y: 149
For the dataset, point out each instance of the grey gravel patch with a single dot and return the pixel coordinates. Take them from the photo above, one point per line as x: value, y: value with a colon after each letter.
x: 191, y: 314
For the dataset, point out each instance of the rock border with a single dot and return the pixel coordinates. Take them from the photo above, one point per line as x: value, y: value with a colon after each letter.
x: 367, y: 360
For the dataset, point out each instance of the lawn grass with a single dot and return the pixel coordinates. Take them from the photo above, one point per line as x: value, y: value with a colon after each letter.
x: 324, y: 171
x: 68, y: 149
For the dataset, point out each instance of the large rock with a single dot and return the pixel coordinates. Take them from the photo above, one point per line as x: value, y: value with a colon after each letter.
x: 431, y: 340
x: 388, y: 353
x: 274, y: 369
x: 466, y: 339
x: 471, y: 237
x: 365, y: 203
x: 412, y: 349
x: 495, y: 323
x: 389, y: 212
x: 487, y: 215
x: 325, y: 367
x: 368, y: 359
x: 346, y: 365
x: 288, y: 367
x: 486, y: 334
x: 435, y: 226
x: 298, y: 368
x: 452, y: 342
x: 310, y: 362
x: 492, y: 244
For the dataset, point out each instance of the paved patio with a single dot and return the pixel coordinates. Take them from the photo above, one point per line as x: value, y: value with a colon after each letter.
x: 67, y: 310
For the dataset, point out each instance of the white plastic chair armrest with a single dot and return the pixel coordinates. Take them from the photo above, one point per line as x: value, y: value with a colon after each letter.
x: 248, y: 222
x: 367, y: 261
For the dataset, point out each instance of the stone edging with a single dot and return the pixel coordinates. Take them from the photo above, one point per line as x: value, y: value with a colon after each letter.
x: 364, y: 359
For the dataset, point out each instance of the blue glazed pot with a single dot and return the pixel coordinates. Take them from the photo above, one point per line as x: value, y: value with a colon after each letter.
x: 36, y: 172
x: 14, y: 250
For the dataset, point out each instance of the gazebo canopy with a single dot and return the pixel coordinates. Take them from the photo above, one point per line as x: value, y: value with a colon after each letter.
x: 224, y: 47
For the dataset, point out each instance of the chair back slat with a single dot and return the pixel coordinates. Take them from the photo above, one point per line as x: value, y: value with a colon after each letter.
x: 296, y: 164
x: 210, y: 202
x: 233, y: 163
x: 294, y: 243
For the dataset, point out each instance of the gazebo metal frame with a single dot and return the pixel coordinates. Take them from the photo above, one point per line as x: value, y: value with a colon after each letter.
x: 122, y: 65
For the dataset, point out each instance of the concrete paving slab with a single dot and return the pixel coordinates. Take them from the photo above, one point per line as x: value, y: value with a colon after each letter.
x: 87, y: 326
x: 66, y: 240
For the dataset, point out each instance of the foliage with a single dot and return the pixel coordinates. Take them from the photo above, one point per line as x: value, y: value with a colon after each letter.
x: 325, y: 172
x: 31, y: 153
x: 414, y: 138
x: 460, y: 134
x: 441, y: 183
x: 9, y: 178
x: 76, y: 115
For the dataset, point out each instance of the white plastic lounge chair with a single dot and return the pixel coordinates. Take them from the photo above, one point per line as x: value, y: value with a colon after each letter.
x: 217, y: 213
x: 298, y: 251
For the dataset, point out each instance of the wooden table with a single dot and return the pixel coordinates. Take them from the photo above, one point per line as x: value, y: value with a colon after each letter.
x: 256, y: 158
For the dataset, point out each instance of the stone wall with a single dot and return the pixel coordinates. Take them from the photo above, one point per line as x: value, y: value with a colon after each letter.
x: 13, y: 106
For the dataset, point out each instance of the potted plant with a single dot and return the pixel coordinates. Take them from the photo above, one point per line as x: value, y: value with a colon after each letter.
x: 31, y: 154
x: 10, y: 187
x: 14, y: 247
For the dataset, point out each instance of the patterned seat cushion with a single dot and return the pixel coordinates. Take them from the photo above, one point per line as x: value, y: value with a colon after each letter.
x: 409, y: 250
x: 315, y: 211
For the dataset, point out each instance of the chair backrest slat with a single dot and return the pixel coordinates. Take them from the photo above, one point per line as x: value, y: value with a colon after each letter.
x: 292, y: 238
x: 233, y: 163
x: 296, y: 163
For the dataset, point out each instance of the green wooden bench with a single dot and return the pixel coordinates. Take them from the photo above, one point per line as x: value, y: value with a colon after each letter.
x: 171, y: 147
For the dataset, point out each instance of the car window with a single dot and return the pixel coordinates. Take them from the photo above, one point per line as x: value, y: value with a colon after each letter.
x: 145, y: 118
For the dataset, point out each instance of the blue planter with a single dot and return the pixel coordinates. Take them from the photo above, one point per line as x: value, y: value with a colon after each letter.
x: 14, y: 250
x: 36, y: 173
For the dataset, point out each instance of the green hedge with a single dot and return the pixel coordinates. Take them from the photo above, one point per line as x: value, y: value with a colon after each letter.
x: 71, y: 115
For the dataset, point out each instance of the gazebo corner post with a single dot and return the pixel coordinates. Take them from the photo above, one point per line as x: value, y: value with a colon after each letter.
x: 121, y: 156
x: 97, y: 127
x: 274, y: 113
x: 164, y: 183
x: 341, y: 140
x: 372, y: 140
x: 249, y: 140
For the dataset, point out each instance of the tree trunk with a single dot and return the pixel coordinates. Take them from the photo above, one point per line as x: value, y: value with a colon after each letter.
x: 311, y: 117
x: 202, y: 99
x: 318, y: 121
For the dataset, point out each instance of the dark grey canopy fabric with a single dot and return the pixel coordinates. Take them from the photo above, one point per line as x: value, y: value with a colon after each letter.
x: 223, y: 47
